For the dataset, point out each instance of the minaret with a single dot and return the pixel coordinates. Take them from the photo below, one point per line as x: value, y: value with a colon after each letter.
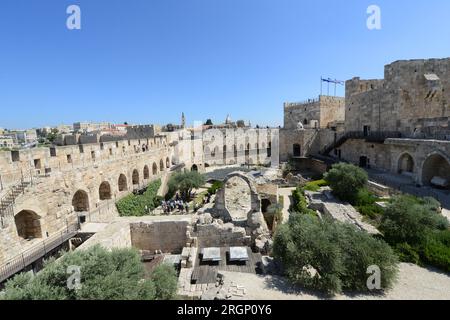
x: 183, y: 121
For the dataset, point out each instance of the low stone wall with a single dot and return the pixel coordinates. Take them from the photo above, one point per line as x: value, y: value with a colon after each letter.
x: 167, y: 236
x: 218, y: 234
x: 115, y: 235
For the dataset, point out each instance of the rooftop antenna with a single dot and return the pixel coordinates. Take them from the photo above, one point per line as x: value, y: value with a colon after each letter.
x: 328, y: 81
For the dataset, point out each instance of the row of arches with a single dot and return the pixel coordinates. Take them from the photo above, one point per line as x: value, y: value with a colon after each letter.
x: 435, y: 165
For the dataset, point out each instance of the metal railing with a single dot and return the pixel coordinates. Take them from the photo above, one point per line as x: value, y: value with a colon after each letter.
x: 36, y: 252
x: 8, y: 200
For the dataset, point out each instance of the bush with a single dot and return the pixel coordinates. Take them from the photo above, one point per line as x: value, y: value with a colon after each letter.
x: 408, y: 220
x: 135, y: 205
x: 215, y: 187
x: 315, y: 185
x: 406, y: 253
x: 346, y: 180
x: 185, y: 183
x: 417, y: 231
x: 165, y: 280
x: 436, y: 253
x: 299, y: 203
x: 338, y: 253
x: 105, y: 275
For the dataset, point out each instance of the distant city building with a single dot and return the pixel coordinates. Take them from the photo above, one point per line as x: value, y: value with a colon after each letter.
x: 91, y: 126
x: 6, y: 142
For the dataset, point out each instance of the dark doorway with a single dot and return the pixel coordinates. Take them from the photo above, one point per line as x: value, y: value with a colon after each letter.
x: 363, y: 162
x: 297, y: 150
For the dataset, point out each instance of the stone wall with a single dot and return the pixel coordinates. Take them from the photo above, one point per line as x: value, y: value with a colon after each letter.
x: 218, y: 234
x: 413, y: 97
x: 167, y: 236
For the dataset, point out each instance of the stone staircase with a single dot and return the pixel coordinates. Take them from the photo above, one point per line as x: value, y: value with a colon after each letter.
x: 9, y: 199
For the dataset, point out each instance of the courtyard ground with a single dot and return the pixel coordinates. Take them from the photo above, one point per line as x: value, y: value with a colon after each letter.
x: 414, y: 283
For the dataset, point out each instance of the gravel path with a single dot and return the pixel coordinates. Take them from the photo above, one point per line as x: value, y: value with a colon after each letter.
x: 414, y: 283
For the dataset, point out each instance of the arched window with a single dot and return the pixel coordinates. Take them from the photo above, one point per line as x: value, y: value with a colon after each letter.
x: 122, y: 183
x: 146, y: 173
x: 104, y: 191
x: 80, y: 201
x: 135, y: 177
x: 28, y: 224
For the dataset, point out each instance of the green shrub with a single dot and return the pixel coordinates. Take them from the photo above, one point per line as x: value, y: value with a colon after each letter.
x: 105, y: 275
x: 315, y: 185
x: 299, y: 203
x: 140, y: 205
x: 406, y: 253
x: 408, y: 219
x: 165, y: 280
x: 436, y: 253
x: 339, y: 253
x: 185, y: 182
x: 215, y: 187
x: 346, y: 180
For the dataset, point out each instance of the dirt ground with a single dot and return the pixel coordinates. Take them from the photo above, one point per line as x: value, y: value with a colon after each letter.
x: 414, y: 283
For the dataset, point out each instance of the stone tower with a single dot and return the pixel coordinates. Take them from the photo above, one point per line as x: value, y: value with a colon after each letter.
x: 183, y: 120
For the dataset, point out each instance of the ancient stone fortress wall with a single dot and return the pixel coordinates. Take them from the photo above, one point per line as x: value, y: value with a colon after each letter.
x: 238, y: 146
x: 165, y: 234
x: 413, y: 97
x: 72, y: 180
x: 314, y: 113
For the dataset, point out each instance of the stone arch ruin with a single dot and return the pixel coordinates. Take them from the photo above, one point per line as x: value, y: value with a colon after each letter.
x: 251, y: 216
x: 155, y: 169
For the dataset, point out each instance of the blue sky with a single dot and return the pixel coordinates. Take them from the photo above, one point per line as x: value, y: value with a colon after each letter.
x: 146, y: 61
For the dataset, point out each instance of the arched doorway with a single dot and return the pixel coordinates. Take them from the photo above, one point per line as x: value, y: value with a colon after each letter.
x: 155, y: 169
x: 406, y: 164
x: 167, y: 163
x: 28, y: 225
x: 265, y: 203
x: 104, y: 191
x: 146, y: 173
x: 297, y: 151
x: 436, y: 171
x: 80, y: 201
x: 123, y: 183
x: 194, y: 168
x: 161, y: 165
x: 135, y: 177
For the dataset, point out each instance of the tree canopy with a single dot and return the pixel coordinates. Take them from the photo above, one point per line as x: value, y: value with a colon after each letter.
x: 185, y: 182
x: 104, y: 275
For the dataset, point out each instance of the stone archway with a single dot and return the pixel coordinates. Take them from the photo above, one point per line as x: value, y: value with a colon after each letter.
x: 405, y: 164
x: 135, y: 177
x: 104, y: 191
x: 123, y: 183
x: 28, y: 225
x: 161, y: 165
x: 80, y: 201
x: 146, y: 173
x: 249, y: 201
x: 436, y: 171
x: 167, y: 163
x: 194, y: 168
